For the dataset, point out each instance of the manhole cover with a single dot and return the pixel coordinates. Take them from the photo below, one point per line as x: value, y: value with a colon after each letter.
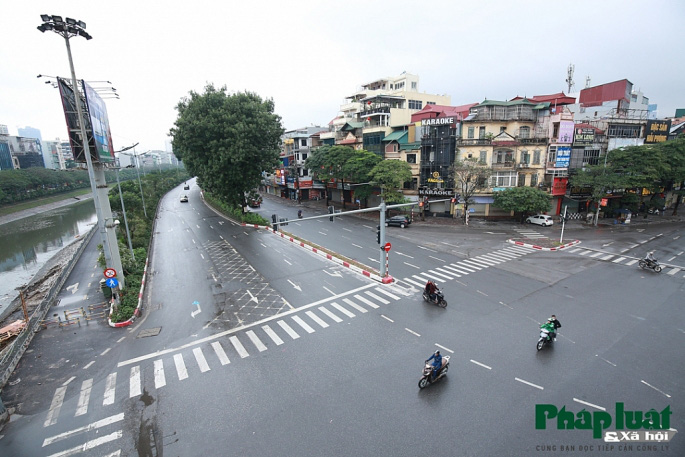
x: 149, y: 332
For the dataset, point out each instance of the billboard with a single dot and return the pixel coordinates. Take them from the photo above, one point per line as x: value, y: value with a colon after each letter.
x: 565, y: 132
x: 563, y: 157
x: 657, y: 131
x: 584, y: 135
x: 559, y: 186
x: 101, y: 146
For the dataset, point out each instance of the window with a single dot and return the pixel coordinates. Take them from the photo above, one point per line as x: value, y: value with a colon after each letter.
x: 411, y: 158
x: 304, y: 156
x: 504, y: 156
x: 413, y: 85
x: 415, y: 104
x: 303, y: 142
x: 525, y: 157
x: 624, y: 131
x: 555, y: 133
x: 522, y: 180
x: 536, y: 157
x: 524, y: 132
x: 481, y: 132
x: 430, y: 103
x: 471, y: 132
x: 503, y: 179
x: 533, y: 180
x: 552, y: 154
x: 591, y: 157
x: 502, y: 129
x: 483, y: 157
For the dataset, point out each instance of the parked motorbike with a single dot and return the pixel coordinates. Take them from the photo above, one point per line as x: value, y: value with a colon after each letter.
x: 653, y: 265
x: 439, y: 299
x: 427, y: 377
x: 545, y: 338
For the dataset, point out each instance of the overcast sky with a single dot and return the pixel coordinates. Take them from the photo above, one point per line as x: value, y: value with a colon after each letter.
x: 309, y: 55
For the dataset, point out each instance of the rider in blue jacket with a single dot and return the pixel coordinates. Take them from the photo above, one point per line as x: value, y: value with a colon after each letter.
x: 437, y: 362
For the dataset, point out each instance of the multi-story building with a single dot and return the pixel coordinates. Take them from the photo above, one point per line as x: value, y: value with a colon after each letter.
x: 25, y: 152
x: 52, y: 154
x: 5, y: 154
x: 293, y: 180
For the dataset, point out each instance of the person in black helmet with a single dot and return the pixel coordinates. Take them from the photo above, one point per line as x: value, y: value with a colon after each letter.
x: 553, y: 320
x: 437, y: 363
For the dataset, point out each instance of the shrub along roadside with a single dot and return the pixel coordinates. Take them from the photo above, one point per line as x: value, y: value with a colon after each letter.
x: 234, y: 213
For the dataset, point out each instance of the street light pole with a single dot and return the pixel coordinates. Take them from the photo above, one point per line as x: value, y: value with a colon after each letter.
x: 67, y: 29
x: 123, y: 208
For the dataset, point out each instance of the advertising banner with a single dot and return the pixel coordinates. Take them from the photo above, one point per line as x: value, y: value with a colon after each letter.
x: 559, y: 186
x: 563, y: 157
x: 657, y: 131
x: 565, y: 132
x: 584, y: 136
x: 101, y: 137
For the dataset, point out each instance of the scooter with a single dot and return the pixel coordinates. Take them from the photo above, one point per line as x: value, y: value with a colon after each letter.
x: 439, y: 299
x: 644, y: 264
x: 427, y: 377
x: 545, y: 338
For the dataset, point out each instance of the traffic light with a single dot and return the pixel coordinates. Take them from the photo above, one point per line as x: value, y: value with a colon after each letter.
x: 378, y: 234
x: 330, y: 211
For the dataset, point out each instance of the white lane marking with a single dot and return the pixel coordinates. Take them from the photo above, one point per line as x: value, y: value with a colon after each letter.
x: 357, y: 246
x: 240, y: 349
x: 69, y: 380
x: 385, y: 292
x: 584, y: 252
x: 504, y: 304
x: 84, y: 397
x: 377, y: 298
x: 263, y: 245
x: 473, y: 264
x: 274, y: 337
x: 459, y: 270
x: 160, y: 378
x: 342, y: 310
x: 634, y: 261
x: 436, y: 258
x: 373, y: 260
x: 317, y: 319
x: 658, y: 390
x: 673, y: 271
x: 286, y: 261
x: 566, y: 337
x: 330, y: 314
x: 482, y: 293
x: 441, y: 275
x: 55, y: 406
x: 636, y: 317
x: 443, y: 347
x: 670, y: 259
x: 329, y: 290
x: 610, y: 363
x: 410, y: 265
x: 323, y: 233
x: 220, y: 353
x: 110, y: 389
x: 368, y: 302
x: 589, y: 404
x: 448, y: 272
x: 347, y: 229
x: 426, y: 249
x: 256, y: 341
x: 181, y: 369
x: 529, y: 383
x: 200, y: 359
x: 105, y: 351
x: 387, y: 318
x: 303, y: 324
x: 485, y: 259
x: 134, y: 382
x: 596, y: 254
x: 607, y: 257
x: 413, y: 282
x: 88, y: 445
x: 95, y: 425
x: 426, y: 277
x: 453, y: 245
x: 404, y: 255
x: 354, y: 305
x: 288, y: 330
x: 618, y: 260
x: 411, y: 331
x: 681, y: 252
x: 121, y: 339
x: 492, y: 258
x: 481, y: 364
x: 89, y: 364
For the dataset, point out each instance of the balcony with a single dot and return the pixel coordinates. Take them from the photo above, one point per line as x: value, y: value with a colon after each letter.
x: 532, y: 140
x: 504, y: 165
x: 474, y: 142
x: 375, y: 111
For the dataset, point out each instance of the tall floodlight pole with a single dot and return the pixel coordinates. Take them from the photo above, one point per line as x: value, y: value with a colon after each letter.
x: 67, y: 29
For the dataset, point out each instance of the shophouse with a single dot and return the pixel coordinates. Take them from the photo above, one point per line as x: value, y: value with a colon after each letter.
x: 292, y: 179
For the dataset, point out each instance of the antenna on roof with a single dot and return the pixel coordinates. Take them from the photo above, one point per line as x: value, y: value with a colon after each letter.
x: 569, y: 79
x: 587, y: 81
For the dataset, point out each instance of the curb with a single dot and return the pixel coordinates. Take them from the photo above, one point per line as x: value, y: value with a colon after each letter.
x: 368, y: 273
x: 540, y: 248
x: 136, y: 312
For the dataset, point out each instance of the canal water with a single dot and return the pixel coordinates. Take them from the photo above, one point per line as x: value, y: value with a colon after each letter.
x: 27, y: 244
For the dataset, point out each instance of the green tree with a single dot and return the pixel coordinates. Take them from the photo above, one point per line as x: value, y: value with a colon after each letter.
x: 599, y: 180
x: 358, y: 170
x: 227, y: 140
x: 469, y: 176
x: 329, y: 162
x: 674, y: 176
x: 522, y: 200
x: 390, y: 176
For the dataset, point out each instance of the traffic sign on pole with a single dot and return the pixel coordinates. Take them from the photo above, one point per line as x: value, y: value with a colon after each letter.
x: 387, y: 247
x: 112, y: 283
x: 110, y: 272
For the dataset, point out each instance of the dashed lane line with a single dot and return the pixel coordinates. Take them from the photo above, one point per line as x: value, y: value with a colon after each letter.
x: 529, y: 383
x: 411, y: 331
x: 658, y: 390
x: 589, y: 404
x: 446, y: 349
x: 481, y: 364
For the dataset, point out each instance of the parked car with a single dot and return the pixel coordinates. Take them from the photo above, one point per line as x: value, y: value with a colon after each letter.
x: 398, y: 221
x: 540, y: 219
x: 254, y: 203
x: 184, y: 199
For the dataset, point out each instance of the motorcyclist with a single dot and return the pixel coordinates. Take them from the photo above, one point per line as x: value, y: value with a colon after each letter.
x: 299, y: 213
x: 555, y: 322
x: 650, y: 259
x: 431, y: 290
x: 549, y: 326
x: 437, y: 363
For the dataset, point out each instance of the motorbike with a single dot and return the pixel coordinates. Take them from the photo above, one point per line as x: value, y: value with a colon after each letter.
x: 644, y: 264
x: 545, y: 338
x: 439, y: 299
x: 427, y: 376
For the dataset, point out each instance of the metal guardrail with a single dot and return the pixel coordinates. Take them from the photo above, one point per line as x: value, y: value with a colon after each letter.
x: 12, y: 354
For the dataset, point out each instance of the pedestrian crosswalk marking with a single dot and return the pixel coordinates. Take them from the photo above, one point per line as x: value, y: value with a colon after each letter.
x: 317, y: 319
x: 110, y: 388
x: 303, y: 324
x: 368, y: 302
x: 491, y: 261
x: 274, y: 337
x: 673, y: 271
x: 492, y: 258
x: 439, y: 275
x: 385, y: 292
x: 160, y: 378
x: 607, y: 257
x: 134, y: 382
x: 461, y: 269
x: 200, y: 359
x: 342, y: 310
x: 632, y: 262
x: 618, y: 260
x: 596, y: 254
x: 451, y: 273
x: 256, y: 341
x: 472, y: 264
x: 584, y: 252
x: 88, y: 445
x: 330, y: 314
x: 94, y: 426
x: 576, y: 250
x: 55, y: 406
x: 413, y: 282
x: 220, y: 353
x: 84, y: 397
x: 425, y: 278
x: 181, y: 370
x: 354, y: 305
x: 507, y: 255
x: 377, y: 298
x: 239, y: 348
x: 477, y: 261
x: 288, y: 330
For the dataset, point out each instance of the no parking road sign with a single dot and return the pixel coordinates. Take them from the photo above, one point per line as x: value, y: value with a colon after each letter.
x: 110, y: 273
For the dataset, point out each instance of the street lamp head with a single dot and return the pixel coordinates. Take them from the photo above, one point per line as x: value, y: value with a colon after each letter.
x: 57, y: 19
x: 45, y: 17
x: 42, y: 29
x: 84, y: 34
x: 71, y: 21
